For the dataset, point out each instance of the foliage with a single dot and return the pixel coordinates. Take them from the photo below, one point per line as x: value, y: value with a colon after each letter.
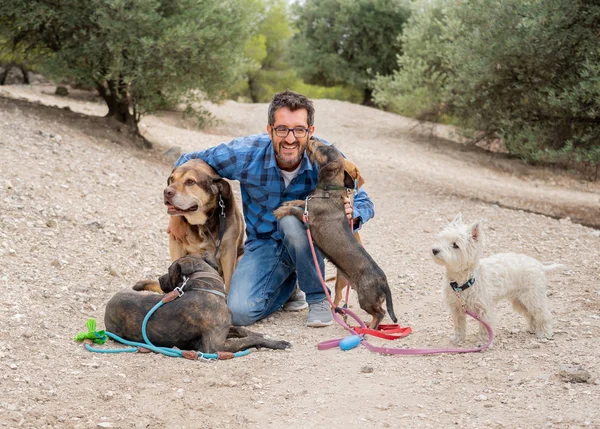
x: 266, y: 70
x: 139, y: 54
x: 417, y: 87
x: 527, y: 71
x: 347, y: 42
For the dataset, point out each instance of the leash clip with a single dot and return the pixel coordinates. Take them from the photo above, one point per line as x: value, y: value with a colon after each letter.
x: 179, y: 289
x: 222, y: 205
x: 306, y: 207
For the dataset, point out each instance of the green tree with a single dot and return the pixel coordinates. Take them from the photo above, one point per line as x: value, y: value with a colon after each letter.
x: 525, y: 71
x: 528, y: 71
x: 268, y: 72
x: 138, y: 54
x: 347, y: 42
x: 417, y: 88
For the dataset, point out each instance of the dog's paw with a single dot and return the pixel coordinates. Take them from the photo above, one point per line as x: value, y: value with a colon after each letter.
x: 282, y: 345
x: 456, y: 339
x: 148, y: 285
x: 284, y: 210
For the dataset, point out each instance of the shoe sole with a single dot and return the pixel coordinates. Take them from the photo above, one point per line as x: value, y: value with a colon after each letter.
x: 318, y: 324
x: 295, y: 307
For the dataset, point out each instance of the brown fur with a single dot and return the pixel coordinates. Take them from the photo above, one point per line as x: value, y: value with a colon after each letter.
x: 331, y: 232
x: 192, y: 200
x: 198, y: 320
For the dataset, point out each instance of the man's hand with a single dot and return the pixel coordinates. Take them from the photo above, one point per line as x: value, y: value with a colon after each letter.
x: 348, y: 208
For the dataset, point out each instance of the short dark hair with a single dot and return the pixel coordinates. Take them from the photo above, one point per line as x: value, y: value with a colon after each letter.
x: 293, y: 101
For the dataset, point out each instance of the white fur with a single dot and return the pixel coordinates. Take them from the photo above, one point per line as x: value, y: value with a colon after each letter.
x: 517, y: 277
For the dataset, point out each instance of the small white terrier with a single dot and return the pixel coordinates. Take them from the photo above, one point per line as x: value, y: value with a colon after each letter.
x: 481, y: 283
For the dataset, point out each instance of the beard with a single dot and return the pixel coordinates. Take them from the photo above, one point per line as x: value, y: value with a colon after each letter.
x: 289, y: 160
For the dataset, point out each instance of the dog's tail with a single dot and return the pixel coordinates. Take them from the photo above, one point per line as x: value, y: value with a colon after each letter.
x: 390, y: 305
x: 548, y: 268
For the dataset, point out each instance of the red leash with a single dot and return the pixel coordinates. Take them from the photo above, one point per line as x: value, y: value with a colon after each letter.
x: 363, y: 328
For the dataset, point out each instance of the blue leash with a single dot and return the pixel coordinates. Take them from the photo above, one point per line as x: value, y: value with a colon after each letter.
x: 167, y: 351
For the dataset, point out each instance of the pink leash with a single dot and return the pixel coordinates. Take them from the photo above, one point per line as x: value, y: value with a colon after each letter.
x: 378, y: 349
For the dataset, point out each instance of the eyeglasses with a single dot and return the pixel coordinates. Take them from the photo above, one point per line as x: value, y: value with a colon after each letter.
x: 298, y: 132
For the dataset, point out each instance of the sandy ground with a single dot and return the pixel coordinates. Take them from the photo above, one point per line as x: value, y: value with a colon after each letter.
x: 82, y: 217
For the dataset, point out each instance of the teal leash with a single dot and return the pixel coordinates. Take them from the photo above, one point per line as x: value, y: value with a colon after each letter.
x: 167, y: 351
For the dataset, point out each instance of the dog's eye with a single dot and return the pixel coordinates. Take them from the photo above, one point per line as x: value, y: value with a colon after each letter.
x: 190, y: 182
x: 454, y: 245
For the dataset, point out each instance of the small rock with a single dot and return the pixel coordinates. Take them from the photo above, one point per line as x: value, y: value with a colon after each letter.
x: 59, y: 263
x: 114, y: 272
x: 573, y: 374
x: 13, y: 366
x: 63, y: 92
x: 366, y: 369
x: 52, y: 223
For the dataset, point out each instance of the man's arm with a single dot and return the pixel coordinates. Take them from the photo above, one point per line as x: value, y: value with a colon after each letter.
x: 222, y: 158
x: 363, y: 209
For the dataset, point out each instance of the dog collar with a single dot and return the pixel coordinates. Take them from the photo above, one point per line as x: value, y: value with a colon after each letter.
x: 463, y: 287
x: 201, y: 276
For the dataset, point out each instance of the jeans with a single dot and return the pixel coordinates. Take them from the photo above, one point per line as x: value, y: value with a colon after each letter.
x: 266, y: 276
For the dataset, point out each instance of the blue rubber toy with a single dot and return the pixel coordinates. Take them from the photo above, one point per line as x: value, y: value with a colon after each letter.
x: 350, y: 342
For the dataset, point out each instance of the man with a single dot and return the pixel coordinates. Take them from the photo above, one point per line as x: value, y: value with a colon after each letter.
x: 273, y: 168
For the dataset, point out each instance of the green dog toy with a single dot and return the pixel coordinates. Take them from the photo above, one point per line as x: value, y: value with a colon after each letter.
x: 98, y: 337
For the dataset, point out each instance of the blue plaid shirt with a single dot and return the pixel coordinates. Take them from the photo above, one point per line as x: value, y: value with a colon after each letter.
x: 251, y: 160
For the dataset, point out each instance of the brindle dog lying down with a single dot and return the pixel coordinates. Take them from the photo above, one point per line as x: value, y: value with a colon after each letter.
x: 199, y: 320
x: 331, y: 232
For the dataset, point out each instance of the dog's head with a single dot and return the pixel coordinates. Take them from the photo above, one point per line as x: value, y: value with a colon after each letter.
x: 185, y: 267
x: 459, y: 246
x: 334, y: 169
x: 192, y: 191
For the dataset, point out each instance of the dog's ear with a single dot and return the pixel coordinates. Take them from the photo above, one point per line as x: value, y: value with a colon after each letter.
x: 210, y: 260
x: 457, y: 219
x: 354, y: 172
x: 170, y: 177
x: 475, y: 231
x: 222, y: 187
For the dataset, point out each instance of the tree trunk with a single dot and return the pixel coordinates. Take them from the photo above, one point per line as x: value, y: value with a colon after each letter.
x: 368, y: 97
x: 4, y: 74
x: 253, y: 89
x: 25, y: 74
x: 120, y: 110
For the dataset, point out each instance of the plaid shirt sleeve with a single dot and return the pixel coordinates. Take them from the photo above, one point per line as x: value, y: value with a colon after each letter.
x: 251, y: 160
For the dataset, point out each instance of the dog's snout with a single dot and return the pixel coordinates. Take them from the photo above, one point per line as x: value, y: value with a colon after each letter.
x: 169, y: 192
x: 435, y: 251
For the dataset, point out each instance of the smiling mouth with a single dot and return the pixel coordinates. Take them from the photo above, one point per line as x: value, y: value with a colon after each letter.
x: 174, y: 210
x: 289, y: 147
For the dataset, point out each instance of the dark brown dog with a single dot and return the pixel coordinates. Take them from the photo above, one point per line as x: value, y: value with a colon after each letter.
x: 202, y: 208
x: 199, y: 320
x: 331, y: 232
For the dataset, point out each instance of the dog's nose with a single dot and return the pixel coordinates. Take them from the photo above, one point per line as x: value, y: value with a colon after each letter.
x: 169, y: 192
x: 435, y: 251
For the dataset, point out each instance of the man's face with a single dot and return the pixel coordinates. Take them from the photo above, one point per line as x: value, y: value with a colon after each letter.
x: 289, y: 150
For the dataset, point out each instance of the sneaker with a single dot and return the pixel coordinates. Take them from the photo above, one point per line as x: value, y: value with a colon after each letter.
x: 319, y: 315
x: 296, y: 302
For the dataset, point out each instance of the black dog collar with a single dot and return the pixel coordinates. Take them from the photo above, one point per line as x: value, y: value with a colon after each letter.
x: 465, y: 286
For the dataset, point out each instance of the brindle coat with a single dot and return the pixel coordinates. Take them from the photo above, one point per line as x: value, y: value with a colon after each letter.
x: 199, y: 320
x: 331, y: 232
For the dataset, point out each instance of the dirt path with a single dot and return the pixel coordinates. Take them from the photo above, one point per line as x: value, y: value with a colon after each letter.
x: 82, y: 217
